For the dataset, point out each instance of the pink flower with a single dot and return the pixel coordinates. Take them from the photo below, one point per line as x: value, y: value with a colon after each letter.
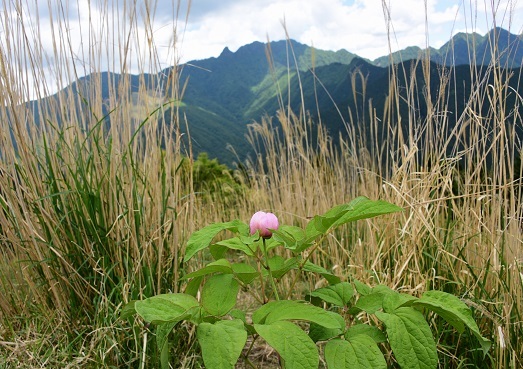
x: 263, y: 222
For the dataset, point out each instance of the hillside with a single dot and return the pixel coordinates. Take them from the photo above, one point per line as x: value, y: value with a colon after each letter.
x: 243, y: 87
x: 225, y: 94
x: 467, y: 49
x: 240, y: 87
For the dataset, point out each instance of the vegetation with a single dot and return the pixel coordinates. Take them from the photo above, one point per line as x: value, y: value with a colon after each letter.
x: 98, y: 205
x: 332, y: 317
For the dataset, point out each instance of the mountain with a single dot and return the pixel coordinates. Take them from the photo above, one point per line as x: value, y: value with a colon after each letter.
x: 467, y: 49
x: 239, y: 87
x: 224, y: 94
x: 242, y: 86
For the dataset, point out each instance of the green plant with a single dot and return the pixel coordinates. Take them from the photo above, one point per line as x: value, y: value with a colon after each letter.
x: 211, y: 180
x: 333, y: 316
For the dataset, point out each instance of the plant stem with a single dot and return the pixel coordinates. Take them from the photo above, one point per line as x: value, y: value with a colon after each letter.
x: 262, y: 282
x: 247, y: 361
x: 246, y: 356
x: 300, y: 267
x: 250, y: 291
x: 276, y: 296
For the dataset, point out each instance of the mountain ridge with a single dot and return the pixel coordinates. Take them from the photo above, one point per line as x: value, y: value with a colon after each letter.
x: 464, y: 49
x: 226, y: 93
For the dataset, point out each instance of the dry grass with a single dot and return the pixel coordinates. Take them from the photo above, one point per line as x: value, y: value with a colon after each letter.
x: 94, y: 213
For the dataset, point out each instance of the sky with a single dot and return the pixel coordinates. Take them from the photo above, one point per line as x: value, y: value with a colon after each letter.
x: 368, y: 28
x: 359, y: 26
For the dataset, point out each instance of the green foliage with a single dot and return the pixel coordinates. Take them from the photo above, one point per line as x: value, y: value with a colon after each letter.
x: 332, y: 317
x: 219, y: 294
x: 275, y: 311
x: 202, y: 239
x: 164, y: 308
x: 339, y: 294
x: 358, y: 352
x: 212, y: 180
x: 295, y: 347
x: 410, y: 338
x: 221, y: 342
x: 454, y: 311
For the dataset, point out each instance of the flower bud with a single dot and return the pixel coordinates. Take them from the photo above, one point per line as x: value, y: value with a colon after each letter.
x: 263, y: 222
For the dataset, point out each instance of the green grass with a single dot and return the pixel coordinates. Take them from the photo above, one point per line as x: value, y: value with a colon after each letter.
x: 96, y: 211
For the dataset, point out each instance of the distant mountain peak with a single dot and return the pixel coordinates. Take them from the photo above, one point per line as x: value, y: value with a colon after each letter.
x: 466, y: 48
x: 226, y: 51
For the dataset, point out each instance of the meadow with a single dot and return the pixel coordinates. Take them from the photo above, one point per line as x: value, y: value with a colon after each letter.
x: 94, y: 215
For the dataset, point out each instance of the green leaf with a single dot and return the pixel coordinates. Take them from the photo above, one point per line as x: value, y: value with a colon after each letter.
x: 193, y: 286
x: 276, y: 262
x: 218, y: 266
x: 165, y: 355
x: 238, y: 314
x: 244, y: 272
x: 360, y: 352
x: 394, y: 300
x: 318, y: 226
x: 320, y: 333
x: 296, y: 310
x: 369, y: 330
x: 222, y: 343
x: 202, y: 238
x: 338, y: 294
x: 410, y: 338
x: 128, y: 310
x: 311, y: 267
x: 454, y: 311
x: 280, y: 266
x: 289, y: 236
x: 304, y: 245
x: 219, y: 294
x: 162, y: 335
x: 294, y: 346
x: 384, y: 297
x: 364, y: 208
x: 370, y: 303
x: 361, y: 287
x: 241, y: 244
x: 171, y: 307
x: 218, y: 252
x: 270, y: 243
x: 357, y: 209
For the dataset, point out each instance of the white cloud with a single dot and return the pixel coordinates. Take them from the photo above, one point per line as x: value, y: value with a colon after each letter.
x: 359, y: 27
x: 90, y: 32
